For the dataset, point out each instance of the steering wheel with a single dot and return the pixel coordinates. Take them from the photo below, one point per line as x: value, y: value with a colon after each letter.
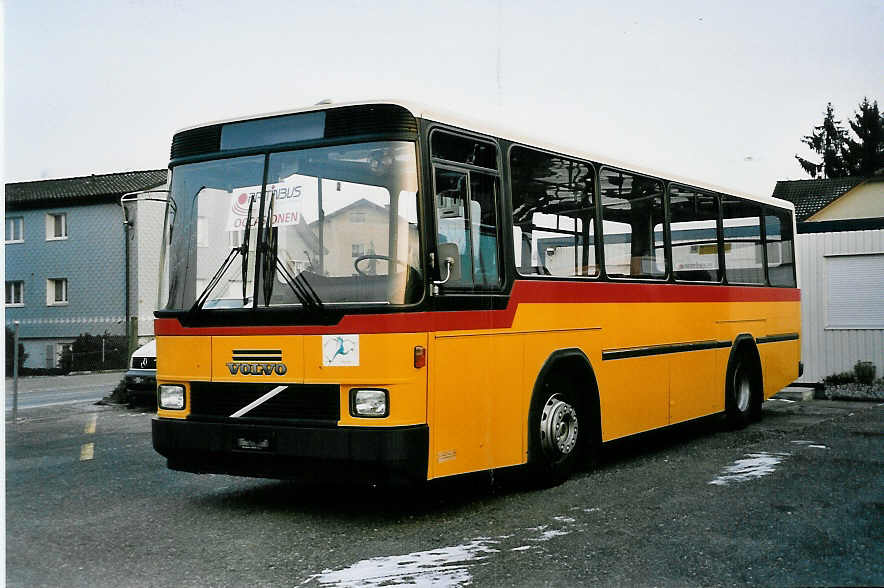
x: 362, y: 258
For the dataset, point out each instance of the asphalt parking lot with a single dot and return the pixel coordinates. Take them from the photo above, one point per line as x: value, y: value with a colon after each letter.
x: 793, y: 500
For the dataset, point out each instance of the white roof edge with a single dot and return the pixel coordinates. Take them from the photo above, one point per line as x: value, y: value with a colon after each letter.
x: 456, y: 120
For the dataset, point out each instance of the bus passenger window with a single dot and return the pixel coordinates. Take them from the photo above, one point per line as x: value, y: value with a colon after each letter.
x: 483, y: 228
x: 632, y: 215
x: 466, y: 217
x: 743, y: 253
x: 553, y: 214
x: 694, y: 234
x: 779, y: 243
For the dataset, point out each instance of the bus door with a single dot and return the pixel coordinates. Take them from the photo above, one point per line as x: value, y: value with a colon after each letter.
x: 474, y: 413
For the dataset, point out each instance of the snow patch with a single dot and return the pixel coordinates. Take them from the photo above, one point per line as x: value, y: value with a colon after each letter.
x: 753, y: 466
x: 445, y: 566
x: 547, y: 535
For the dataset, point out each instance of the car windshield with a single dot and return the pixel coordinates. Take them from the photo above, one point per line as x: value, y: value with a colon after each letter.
x: 331, y: 225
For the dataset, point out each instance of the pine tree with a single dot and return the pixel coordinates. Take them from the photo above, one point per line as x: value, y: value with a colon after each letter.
x: 829, y: 141
x: 866, y: 156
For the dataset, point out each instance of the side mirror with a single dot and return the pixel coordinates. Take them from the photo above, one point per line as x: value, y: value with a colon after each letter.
x: 449, y: 258
x: 131, y: 198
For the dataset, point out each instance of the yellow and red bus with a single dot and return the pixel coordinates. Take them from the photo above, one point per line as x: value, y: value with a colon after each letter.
x: 374, y: 288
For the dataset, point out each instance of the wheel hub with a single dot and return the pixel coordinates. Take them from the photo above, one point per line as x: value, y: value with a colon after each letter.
x: 558, y: 427
x: 744, y: 391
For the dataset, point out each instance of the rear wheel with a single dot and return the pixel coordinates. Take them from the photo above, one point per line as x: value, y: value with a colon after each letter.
x: 557, y: 433
x: 741, y: 394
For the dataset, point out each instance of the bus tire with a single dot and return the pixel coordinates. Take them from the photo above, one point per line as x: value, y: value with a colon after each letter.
x: 742, y: 392
x: 558, y: 425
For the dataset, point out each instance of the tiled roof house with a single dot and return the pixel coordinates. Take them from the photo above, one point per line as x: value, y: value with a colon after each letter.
x: 835, y: 204
x: 65, y: 259
x: 811, y: 196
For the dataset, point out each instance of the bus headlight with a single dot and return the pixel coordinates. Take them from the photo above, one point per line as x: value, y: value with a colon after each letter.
x: 371, y: 403
x: 171, y: 397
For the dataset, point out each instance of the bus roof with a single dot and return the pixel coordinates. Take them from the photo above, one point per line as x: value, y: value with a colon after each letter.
x: 456, y: 120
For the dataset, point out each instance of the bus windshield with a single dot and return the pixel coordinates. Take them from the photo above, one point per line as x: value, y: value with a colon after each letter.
x: 326, y: 225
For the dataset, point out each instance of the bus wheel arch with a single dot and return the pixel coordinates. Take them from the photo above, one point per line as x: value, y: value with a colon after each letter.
x: 563, y: 419
x: 744, y: 386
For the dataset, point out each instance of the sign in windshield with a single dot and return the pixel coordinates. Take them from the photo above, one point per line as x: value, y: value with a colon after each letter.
x: 288, y: 197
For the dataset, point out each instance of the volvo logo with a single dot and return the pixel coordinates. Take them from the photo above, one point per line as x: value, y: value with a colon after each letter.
x: 257, y: 369
x: 257, y: 362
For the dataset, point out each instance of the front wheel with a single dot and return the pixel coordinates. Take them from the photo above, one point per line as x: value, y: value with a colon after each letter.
x: 556, y: 440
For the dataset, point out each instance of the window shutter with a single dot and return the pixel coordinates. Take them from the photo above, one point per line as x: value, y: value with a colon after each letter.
x: 854, y: 286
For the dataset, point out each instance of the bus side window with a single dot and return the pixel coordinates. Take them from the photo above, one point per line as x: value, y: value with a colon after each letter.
x: 632, y: 223
x: 483, y: 228
x: 779, y: 242
x: 466, y: 217
x: 693, y: 223
x: 743, y: 253
x: 451, y: 221
x: 553, y: 214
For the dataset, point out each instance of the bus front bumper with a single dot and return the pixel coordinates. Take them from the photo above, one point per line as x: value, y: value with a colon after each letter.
x: 293, y: 452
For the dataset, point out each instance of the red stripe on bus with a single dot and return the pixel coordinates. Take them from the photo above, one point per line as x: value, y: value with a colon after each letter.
x: 523, y: 292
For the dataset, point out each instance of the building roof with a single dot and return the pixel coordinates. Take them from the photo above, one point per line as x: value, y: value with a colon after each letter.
x: 811, y: 196
x: 81, y: 190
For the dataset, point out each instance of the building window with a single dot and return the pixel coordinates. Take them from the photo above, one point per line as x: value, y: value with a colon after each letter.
x: 357, y: 217
x: 853, y: 291
x: 56, y: 291
x: 15, y: 293
x: 202, y: 232
x: 357, y: 250
x: 56, y: 226
x: 15, y: 232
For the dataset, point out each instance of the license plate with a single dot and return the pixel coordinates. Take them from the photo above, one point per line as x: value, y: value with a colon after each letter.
x: 253, y: 443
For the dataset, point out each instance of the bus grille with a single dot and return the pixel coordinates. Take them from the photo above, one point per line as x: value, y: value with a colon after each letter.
x: 369, y: 119
x: 196, y: 141
x: 317, y: 402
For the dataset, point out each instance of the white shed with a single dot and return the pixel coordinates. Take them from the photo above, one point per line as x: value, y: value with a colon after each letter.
x: 841, y: 268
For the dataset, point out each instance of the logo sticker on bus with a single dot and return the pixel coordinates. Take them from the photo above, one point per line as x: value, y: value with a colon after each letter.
x: 288, y: 196
x: 340, y: 350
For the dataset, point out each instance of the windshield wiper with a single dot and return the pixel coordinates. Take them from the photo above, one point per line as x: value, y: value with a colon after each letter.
x: 268, y: 248
x: 302, y: 289
x: 244, y: 251
x: 215, y: 279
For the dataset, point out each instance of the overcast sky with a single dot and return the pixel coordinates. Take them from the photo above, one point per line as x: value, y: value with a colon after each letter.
x: 717, y: 91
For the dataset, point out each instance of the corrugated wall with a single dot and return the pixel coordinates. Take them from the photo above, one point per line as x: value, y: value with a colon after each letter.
x: 827, y: 351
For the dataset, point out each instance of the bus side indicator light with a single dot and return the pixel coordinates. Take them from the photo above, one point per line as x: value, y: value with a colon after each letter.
x: 420, y: 356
